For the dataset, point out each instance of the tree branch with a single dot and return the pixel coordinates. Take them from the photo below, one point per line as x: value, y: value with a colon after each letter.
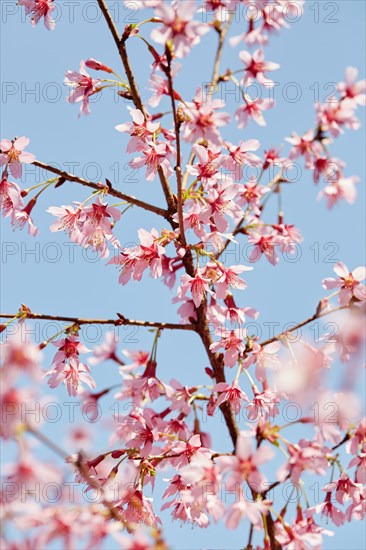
x: 178, y: 167
x: 317, y: 315
x: 222, y: 37
x: 121, y: 320
x: 136, y: 98
x: 111, y: 190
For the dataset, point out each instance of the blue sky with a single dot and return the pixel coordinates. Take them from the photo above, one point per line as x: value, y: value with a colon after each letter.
x: 52, y: 276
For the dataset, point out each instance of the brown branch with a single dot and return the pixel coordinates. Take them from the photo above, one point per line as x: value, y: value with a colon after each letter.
x: 178, y: 167
x: 202, y: 328
x: 317, y: 315
x: 111, y: 190
x: 121, y: 320
x: 222, y: 37
x: 136, y: 98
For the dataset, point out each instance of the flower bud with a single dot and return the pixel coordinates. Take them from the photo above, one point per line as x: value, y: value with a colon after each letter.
x: 97, y: 65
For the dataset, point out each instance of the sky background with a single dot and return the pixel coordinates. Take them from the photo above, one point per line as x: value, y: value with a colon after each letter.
x: 50, y: 275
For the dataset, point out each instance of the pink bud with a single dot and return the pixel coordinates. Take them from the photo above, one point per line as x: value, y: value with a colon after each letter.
x: 97, y: 65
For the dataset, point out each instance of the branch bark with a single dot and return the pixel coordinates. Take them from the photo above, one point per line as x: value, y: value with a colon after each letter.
x: 121, y: 320
x: 136, y: 98
x: 111, y: 191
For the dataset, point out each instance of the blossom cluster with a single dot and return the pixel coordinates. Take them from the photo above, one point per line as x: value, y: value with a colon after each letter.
x: 166, y: 427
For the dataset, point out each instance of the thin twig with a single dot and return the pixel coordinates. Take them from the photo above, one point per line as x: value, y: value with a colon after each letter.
x: 136, y: 98
x: 178, y: 167
x: 121, y: 320
x: 316, y: 315
x: 111, y: 190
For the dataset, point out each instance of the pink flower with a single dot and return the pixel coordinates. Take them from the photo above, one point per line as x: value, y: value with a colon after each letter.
x: 107, y: 350
x: 348, y: 282
x: 195, y: 216
x: 19, y: 356
x: 38, y: 9
x: 144, y: 431
x: 251, y: 193
x: 253, y: 108
x: 83, y: 86
x: 232, y: 394
x: 255, y: 67
x: 178, y: 26
x: 135, y: 260
x: 207, y: 169
x: 187, y: 450
x: 145, y: 386
x: 160, y: 86
x: 360, y: 462
x: 155, y: 157
x: 13, y: 402
x: 70, y: 219
x: 10, y: 197
x: 329, y: 166
x: 243, y: 508
x: 329, y: 510
x: 232, y: 342
x: 97, y: 227
x: 203, y: 120
x: 342, y: 189
x: 67, y: 367
x: 263, y: 357
x: 264, y: 241
x: 307, y: 455
x: 347, y: 489
x: 141, y: 131
x: 139, y: 358
x: 13, y: 154
x: 358, y: 438
x: 21, y: 217
x: 351, y: 88
x: 138, y: 508
x: 197, y: 285
x: 288, y: 236
x: 335, y: 114
x: 263, y: 405
x: 244, y: 464
x: 229, y: 277
x: 240, y: 155
x: 221, y: 199
x: 272, y: 158
x: 302, y: 145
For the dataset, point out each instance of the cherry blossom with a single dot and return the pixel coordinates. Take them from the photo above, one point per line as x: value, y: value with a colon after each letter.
x: 67, y: 367
x: 343, y: 189
x: 349, y: 283
x: 135, y: 260
x: 233, y: 394
x: 264, y: 241
x: 38, y: 9
x: 154, y: 157
x: 351, y: 88
x: 256, y: 66
x: 217, y: 194
x: 10, y: 197
x: 19, y: 356
x: 197, y: 285
x: 82, y: 87
x: 244, y: 464
x: 179, y: 26
x: 253, y: 109
x: 203, y: 120
x: 232, y: 342
x: 141, y: 131
x: 13, y: 154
